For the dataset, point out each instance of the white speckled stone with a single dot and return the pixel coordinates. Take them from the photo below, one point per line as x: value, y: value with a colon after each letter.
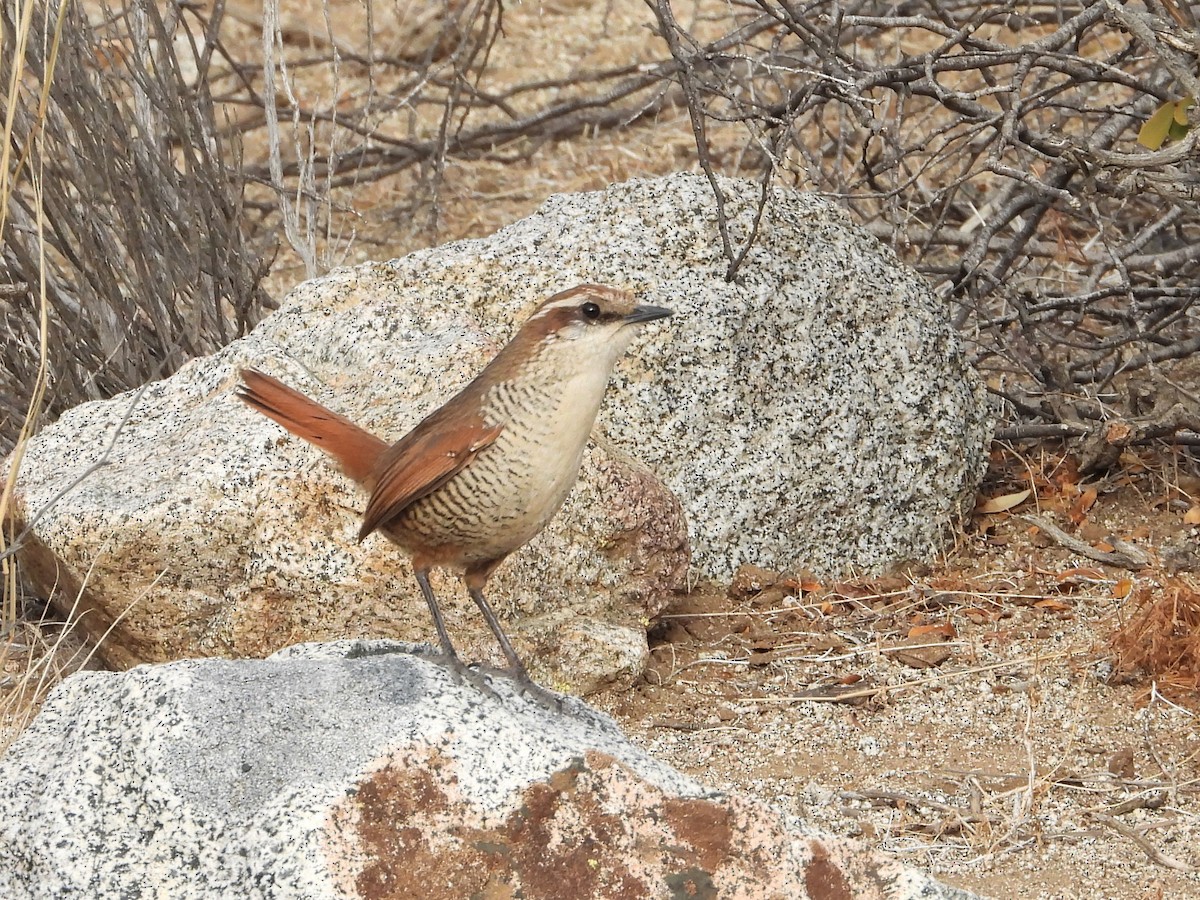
x: 816, y: 413
x: 819, y: 413
x: 212, y: 532
x: 359, y: 770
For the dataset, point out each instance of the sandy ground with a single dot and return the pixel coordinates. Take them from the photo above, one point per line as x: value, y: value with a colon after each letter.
x: 969, y: 718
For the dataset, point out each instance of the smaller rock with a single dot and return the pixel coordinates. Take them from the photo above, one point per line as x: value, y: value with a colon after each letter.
x: 589, y: 655
x: 362, y: 769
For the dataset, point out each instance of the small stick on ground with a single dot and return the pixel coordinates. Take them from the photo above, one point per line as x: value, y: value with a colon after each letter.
x: 1156, y: 855
x: 1129, y: 557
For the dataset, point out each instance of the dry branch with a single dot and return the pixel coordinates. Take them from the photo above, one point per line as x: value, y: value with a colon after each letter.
x: 995, y: 147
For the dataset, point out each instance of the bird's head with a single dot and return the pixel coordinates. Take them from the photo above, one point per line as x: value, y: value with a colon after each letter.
x: 590, y: 322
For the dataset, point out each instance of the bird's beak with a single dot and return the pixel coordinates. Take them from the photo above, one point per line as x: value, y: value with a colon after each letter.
x: 646, y: 314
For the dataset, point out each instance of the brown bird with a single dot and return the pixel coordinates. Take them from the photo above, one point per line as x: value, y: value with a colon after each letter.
x: 479, y: 477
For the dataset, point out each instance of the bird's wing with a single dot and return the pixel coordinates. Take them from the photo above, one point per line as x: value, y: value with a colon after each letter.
x: 421, y: 462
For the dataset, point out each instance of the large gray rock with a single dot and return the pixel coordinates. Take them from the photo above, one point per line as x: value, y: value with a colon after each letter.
x: 818, y: 413
x: 211, y: 532
x: 339, y: 772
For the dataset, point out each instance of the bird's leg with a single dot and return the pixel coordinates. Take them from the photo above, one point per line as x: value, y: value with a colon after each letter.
x: 456, y: 665
x: 439, y: 623
x: 516, y: 669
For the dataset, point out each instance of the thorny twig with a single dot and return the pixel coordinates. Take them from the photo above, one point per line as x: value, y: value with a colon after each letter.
x: 993, y: 146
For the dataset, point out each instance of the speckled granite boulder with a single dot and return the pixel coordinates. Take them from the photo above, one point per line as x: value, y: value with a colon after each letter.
x: 212, y: 532
x: 336, y: 771
x: 817, y: 413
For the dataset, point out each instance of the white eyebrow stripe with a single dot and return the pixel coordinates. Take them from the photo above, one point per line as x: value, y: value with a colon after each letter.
x: 580, y: 295
x: 572, y: 301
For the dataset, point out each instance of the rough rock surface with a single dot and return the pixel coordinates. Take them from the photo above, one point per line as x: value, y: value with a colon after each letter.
x: 819, y: 412
x: 359, y: 770
x: 212, y: 532
x: 816, y: 413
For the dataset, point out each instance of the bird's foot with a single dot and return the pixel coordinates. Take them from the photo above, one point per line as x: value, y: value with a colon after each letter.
x: 525, y: 685
x: 543, y: 697
x: 478, y: 675
x: 465, y: 674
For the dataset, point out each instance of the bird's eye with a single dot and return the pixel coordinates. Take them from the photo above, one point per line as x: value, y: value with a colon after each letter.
x: 591, y: 310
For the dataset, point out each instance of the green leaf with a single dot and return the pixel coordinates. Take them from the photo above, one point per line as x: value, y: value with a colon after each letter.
x: 1169, y: 122
x: 1157, y: 128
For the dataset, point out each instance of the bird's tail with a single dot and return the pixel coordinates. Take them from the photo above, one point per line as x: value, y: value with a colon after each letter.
x: 355, y: 449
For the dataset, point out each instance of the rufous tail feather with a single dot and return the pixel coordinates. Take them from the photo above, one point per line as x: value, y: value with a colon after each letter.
x: 355, y: 449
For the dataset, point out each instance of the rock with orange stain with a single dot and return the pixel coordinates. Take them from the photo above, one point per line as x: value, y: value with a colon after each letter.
x: 363, y: 770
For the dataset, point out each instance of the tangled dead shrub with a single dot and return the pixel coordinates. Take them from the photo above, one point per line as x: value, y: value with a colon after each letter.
x: 126, y: 244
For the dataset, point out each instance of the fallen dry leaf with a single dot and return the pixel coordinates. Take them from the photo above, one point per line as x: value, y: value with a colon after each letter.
x: 978, y: 615
x: 1083, y: 503
x: 762, y: 657
x: 1132, y: 461
x: 1003, y: 503
x: 923, y: 657
x: 1121, y: 763
x: 1051, y: 603
x: 945, y: 630
x: 1118, y: 432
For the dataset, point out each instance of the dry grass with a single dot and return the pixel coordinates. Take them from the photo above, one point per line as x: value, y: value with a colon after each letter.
x: 124, y: 239
x: 1160, y: 639
x: 21, y: 679
x: 36, y: 654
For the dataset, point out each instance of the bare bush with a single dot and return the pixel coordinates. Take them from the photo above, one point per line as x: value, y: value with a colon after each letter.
x: 995, y: 146
x: 144, y: 262
x: 343, y: 110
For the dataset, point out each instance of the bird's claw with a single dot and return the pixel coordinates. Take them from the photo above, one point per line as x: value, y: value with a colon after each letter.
x: 525, y: 685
